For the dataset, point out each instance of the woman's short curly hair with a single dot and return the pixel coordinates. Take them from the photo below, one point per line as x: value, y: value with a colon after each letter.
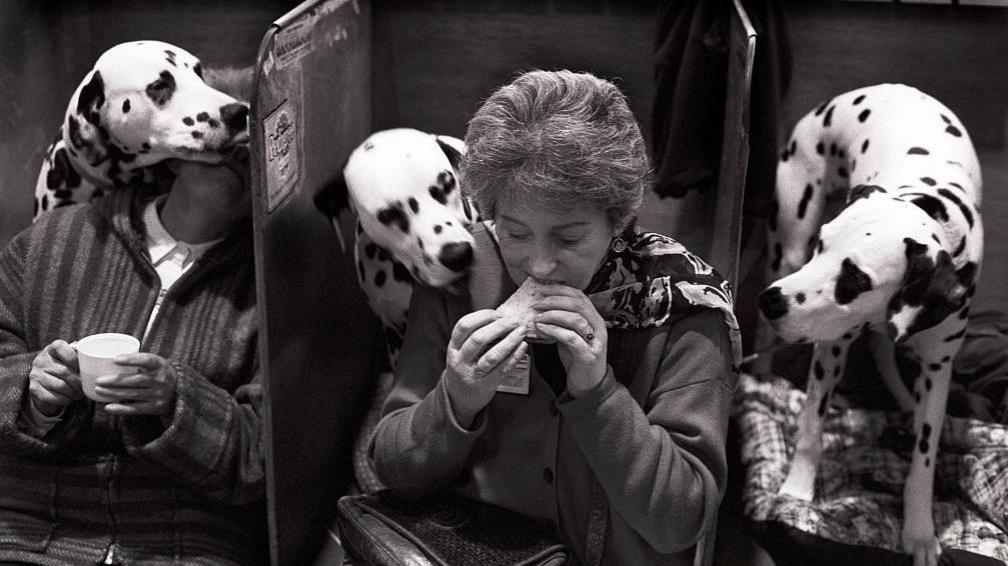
x: 567, y: 139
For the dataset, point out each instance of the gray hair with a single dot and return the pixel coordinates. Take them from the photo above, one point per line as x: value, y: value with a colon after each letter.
x: 566, y: 139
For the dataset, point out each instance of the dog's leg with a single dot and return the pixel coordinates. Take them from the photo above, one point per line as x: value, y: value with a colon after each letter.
x: 881, y: 347
x: 931, y: 391
x: 827, y: 369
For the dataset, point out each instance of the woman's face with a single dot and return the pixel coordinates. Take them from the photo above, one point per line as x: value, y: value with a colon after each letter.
x: 553, y: 246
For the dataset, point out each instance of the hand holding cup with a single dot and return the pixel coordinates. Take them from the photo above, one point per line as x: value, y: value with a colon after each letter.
x: 96, y: 354
x: 54, y: 380
x: 127, y: 381
x: 145, y: 386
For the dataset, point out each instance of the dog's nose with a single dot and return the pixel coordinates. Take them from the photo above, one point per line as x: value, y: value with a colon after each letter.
x: 773, y: 303
x: 456, y: 256
x: 235, y: 116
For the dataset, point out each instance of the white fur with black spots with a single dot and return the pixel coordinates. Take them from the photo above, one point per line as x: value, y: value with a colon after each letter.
x: 142, y: 103
x: 412, y: 219
x: 899, y: 262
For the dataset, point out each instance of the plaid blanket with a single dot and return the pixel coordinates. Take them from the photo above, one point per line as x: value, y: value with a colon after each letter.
x: 858, y: 492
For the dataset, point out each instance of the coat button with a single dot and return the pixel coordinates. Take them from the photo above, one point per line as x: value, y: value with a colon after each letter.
x: 548, y: 475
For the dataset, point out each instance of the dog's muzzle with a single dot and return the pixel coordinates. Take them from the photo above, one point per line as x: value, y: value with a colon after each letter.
x: 235, y: 117
x: 456, y: 256
x: 773, y: 303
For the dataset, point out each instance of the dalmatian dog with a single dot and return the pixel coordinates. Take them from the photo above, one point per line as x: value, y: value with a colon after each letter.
x: 411, y: 227
x: 142, y: 103
x: 412, y: 218
x: 899, y: 263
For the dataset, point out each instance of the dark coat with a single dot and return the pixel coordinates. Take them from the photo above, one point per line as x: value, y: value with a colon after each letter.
x: 651, y: 434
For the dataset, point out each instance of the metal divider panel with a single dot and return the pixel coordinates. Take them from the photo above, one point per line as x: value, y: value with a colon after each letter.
x: 725, y: 240
x: 724, y: 250
x: 318, y: 339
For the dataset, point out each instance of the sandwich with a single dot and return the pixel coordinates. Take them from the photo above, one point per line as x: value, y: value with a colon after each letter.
x: 519, y: 308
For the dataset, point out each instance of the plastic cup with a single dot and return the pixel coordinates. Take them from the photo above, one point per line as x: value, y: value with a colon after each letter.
x: 95, y: 354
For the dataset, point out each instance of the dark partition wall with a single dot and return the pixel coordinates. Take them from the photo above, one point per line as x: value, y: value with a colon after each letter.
x: 313, y: 105
x: 436, y: 60
x: 723, y: 247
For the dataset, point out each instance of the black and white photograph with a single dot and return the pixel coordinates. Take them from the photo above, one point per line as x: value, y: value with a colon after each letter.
x: 504, y: 282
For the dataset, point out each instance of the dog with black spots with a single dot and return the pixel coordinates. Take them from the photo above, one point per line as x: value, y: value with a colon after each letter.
x: 142, y: 103
x: 898, y: 263
x: 412, y: 220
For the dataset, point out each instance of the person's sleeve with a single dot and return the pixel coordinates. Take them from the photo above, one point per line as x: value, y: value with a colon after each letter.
x: 663, y: 466
x: 15, y: 364
x: 419, y: 446
x: 33, y: 422
x: 214, y: 440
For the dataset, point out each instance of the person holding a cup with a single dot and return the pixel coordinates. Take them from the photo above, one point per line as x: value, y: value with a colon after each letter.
x: 130, y: 398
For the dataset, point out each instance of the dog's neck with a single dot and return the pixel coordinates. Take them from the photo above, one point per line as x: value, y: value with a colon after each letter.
x: 198, y: 209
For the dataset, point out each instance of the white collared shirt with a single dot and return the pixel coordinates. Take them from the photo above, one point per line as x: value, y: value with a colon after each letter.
x: 171, y: 258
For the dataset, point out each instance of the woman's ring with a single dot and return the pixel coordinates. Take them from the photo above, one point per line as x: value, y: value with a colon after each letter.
x: 590, y: 336
x: 479, y: 373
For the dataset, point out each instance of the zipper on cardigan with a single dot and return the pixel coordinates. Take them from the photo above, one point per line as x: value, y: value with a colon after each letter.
x: 110, y: 555
x: 154, y: 312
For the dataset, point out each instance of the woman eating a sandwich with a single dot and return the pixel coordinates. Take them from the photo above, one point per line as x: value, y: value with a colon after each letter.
x: 585, y: 374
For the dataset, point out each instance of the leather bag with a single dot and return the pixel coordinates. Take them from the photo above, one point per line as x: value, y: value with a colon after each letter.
x: 382, y: 529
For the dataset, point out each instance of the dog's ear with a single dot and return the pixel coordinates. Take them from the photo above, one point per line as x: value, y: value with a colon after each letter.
x: 332, y: 201
x: 83, y: 130
x: 91, y: 98
x: 453, y: 149
x: 932, y: 290
x: 863, y: 191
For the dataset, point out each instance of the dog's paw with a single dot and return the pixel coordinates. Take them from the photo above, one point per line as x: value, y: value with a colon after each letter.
x: 921, y: 544
x: 918, y: 534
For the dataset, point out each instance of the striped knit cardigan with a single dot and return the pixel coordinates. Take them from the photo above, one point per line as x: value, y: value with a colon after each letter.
x: 98, y: 485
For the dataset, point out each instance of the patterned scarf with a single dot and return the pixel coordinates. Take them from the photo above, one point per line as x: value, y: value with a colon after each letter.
x: 650, y: 278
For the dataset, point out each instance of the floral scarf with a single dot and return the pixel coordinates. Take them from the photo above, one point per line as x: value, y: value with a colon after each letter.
x: 647, y: 279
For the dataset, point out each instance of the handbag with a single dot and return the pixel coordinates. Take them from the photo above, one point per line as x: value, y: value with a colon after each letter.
x: 382, y: 529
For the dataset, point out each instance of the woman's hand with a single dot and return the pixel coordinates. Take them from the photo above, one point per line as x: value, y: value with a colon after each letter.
x: 569, y: 317
x: 149, y: 390
x: 482, y: 349
x: 54, y: 380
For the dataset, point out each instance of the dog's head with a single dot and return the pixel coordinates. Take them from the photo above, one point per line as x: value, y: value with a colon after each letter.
x: 881, y: 260
x: 403, y: 185
x: 144, y: 102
